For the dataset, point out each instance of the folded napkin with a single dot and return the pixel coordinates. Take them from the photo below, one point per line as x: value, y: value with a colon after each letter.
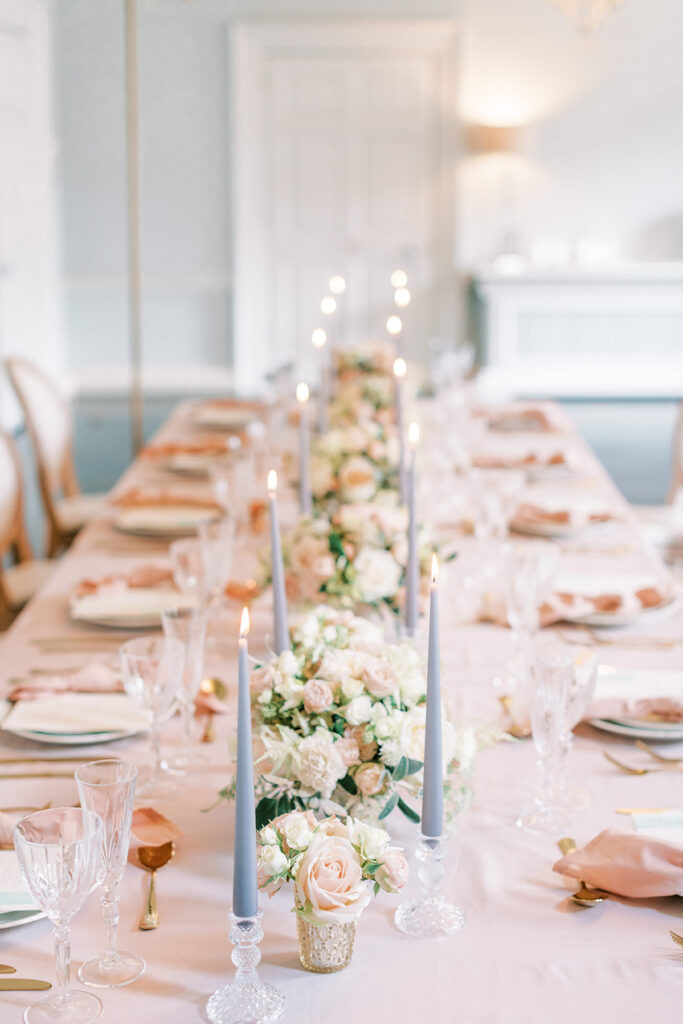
x: 573, y: 607
x: 141, y: 578
x: 210, y: 445
x: 95, y: 677
x: 485, y: 460
x: 634, y: 866
x: 138, y: 498
x: 515, y: 417
x: 6, y: 829
x: 150, y: 828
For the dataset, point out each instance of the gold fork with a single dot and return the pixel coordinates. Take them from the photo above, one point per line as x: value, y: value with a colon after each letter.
x: 629, y: 770
x: 678, y: 939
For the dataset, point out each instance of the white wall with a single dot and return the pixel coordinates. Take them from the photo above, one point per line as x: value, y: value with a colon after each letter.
x: 604, y: 157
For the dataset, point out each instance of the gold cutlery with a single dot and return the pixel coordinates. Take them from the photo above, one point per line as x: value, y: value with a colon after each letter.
x: 583, y: 897
x: 151, y: 859
x: 37, y: 775
x: 678, y: 939
x: 212, y: 687
x: 656, y: 756
x: 6, y: 969
x: 40, y: 760
x: 629, y: 770
x: 29, y: 810
x: 23, y: 984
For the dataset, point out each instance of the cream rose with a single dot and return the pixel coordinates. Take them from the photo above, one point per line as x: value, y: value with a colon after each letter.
x: 347, y: 748
x: 321, y: 475
x: 369, y: 778
x: 312, y: 555
x: 393, y: 874
x: 357, y: 479
x: 320, y: 765
x: 372, y: 842
x: 378, y: 574
x: 330, y: 880
x: 358, y: 710
x: 379, y: 677
x: 412, y: 736
x: 271, y: 861
x: 318, y: 696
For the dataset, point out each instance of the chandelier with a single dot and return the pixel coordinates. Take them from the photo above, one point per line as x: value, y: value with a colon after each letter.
x: 586, y: 15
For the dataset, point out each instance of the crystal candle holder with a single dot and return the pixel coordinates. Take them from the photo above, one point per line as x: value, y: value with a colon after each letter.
x: 431, y: 913
x: 247, y: 998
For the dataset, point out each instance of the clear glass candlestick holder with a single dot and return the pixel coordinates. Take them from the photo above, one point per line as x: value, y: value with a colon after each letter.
x: 430, y: 914
x: 247, y: 998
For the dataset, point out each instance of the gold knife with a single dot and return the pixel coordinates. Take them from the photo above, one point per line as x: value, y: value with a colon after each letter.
x: 16, y: 984
x: 6, y: 969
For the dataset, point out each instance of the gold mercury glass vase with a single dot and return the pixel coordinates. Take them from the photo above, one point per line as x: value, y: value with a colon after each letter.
x: 325, y: 948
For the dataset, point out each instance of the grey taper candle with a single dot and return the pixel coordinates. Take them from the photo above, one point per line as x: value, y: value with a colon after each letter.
x: 244, y: 883
x: 399, y: 374
x: 413, y: 566
x: 280, y: 626
x: 432, y: 791
x: 304, y: 452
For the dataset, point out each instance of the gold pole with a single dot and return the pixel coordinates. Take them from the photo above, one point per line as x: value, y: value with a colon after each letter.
x: 133, y: 182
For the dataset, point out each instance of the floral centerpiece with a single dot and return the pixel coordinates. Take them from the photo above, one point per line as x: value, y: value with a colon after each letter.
x: 354, y: 463
x: 334, y: 864
x: 340, y: 720
x: 354, y: 557
x: 374, y: 358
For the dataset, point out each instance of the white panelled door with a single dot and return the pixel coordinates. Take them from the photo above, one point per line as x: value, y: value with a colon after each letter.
x: 344, y: 165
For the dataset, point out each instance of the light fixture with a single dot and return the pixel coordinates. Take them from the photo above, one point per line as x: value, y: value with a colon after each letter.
x: 319, y: 337
x: 586, y: 15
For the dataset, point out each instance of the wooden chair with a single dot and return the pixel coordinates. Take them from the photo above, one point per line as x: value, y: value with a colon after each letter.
x: 50, y: 427
x: 19, y: 581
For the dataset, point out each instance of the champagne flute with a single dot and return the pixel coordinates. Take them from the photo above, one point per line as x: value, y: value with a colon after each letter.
x: 107, y: 787
x: 152, y: 670
x: 59, y: 851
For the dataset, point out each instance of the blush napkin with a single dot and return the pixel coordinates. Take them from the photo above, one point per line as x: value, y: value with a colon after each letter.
x: 634, y: 866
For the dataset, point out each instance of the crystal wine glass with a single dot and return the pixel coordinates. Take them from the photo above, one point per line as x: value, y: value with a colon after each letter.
x: 581, y: 687
x: 188, y: 626
x: 107, y: 787
x: 550, y: 681
x: 59, y: 851
x: 152, y: 671
x: 187, y: 563
x: 217, y: 542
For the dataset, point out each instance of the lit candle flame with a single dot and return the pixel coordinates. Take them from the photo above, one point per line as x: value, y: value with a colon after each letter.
x: 394, y: 324
x: 413, y: 435
x: 319, y: 337
x: 402, y: 297
x: 328, y: 305
x: 302, y: 392
x: 272, y: 481
x: 245, y: 623
x: 435, y: 570
x: 399, y: 279
x: 400, y: 367
x: 337, y: 284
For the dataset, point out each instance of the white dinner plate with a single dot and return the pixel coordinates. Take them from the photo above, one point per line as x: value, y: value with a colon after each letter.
x: 137, y: 608
x: 74, y: 739
x: 13, y: 918
x: 616, y: 619
x: 164, y: 520
x: 76, y: 718
x: 193, y: 464
x: 223, y: 417
x: 640, y: 730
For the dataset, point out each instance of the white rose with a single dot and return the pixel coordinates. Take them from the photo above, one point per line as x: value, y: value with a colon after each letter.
x: 293, y: 692
x: 386, y: 728
x: 412, y: 736
x: 297, y: 831
x: 358, y: 710
x: 273, y: 860
x: 268, y: 836
x: 378, y: 574
x: 265, y: 697
x: 320, y: 766
x: 412, y: 686
x: 288, y: 664
x: 352, y: 688
x: 372, y: 842
x: 357, y: 479
x: 321, y: 476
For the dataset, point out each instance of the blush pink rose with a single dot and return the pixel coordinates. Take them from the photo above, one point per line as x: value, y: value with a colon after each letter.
x: 330, y: 879
x: 393, y: 874
x: 369, y: 778
x: 347, y: 747
x: 366, y: 748
x: 379, y: 677
x: 318, y: 696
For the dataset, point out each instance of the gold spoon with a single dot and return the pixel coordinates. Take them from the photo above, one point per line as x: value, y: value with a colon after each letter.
x: 583, y: 897
x: 151, y: 859
x: 629, y: 770
x: 520, y: 732
x: 212, y: 687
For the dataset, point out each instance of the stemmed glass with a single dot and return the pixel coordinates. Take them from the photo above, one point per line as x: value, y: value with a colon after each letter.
x: 107, y: 787
x: 217, y: 542
x: 493, y: 494
x: 232, y: 482
x: 581, y: 687
x: 529, y: 569
x: 152, y: 671
x: 188, y: 626
x: 59, y: 851
x: 550, y: 682
x: 187, y: 563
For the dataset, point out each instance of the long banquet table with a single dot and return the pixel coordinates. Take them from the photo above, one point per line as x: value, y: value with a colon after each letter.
x: 526, y: 952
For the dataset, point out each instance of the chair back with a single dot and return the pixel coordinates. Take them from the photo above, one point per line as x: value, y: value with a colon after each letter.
x: 48, y: 421
x: 676, y: 456
x: 13, y: 539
